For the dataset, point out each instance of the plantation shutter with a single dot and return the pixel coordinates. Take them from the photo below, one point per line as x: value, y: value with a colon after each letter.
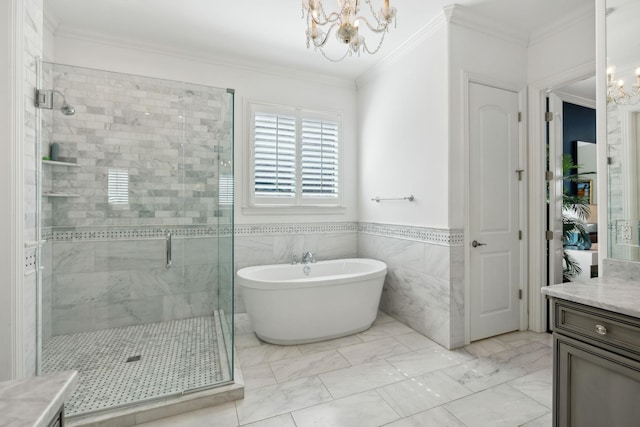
x: 320, y: 158
x: 274, y: 155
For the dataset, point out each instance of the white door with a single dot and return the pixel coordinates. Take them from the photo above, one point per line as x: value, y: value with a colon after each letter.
x: 555, y: 150
x: 494, y: 211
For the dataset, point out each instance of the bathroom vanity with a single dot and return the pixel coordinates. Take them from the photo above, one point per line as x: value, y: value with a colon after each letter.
x: 596, y: 330
x: 36, y: 401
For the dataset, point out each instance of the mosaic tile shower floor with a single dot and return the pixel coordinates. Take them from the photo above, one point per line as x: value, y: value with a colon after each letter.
x: 174, y: 356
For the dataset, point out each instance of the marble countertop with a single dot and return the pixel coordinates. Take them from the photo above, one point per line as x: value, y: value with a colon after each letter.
x: 34, y: 401
x: 617, y: 295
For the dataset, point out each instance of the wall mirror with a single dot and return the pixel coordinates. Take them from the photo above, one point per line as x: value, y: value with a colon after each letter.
x: 623, y: 128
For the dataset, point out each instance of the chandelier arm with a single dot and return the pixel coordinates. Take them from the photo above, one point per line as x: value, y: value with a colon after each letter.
x: 379, y: 29
x: 326, y: 37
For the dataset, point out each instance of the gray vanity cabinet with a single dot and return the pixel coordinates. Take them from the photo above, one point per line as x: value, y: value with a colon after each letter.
x: 596, y: 367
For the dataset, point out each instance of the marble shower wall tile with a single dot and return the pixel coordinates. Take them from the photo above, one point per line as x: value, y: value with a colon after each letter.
x: 104, y: 284
x: 168, y: 137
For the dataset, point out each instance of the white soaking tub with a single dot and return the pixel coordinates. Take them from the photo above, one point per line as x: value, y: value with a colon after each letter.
x: 295, y: 304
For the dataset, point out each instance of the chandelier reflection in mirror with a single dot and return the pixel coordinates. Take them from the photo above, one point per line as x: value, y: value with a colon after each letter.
x: 616, y: 94
x: 346, y: 22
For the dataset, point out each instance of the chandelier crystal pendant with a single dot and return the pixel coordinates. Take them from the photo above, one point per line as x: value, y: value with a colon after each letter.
x: 346, y: 22
x: 616, y: 95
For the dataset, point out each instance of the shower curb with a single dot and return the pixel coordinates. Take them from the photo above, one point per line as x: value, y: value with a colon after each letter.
x: 164, y: 407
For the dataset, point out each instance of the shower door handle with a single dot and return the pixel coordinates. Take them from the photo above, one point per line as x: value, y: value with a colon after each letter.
x: 168, y: 247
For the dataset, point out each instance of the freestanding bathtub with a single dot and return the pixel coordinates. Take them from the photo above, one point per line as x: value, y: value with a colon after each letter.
x: 301, y: 303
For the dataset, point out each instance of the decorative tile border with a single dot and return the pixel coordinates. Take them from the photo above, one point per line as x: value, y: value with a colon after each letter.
x: 277, y: 229
x: 420, y: 234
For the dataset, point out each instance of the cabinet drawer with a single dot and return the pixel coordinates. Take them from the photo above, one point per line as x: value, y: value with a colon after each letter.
x: 600, y: 326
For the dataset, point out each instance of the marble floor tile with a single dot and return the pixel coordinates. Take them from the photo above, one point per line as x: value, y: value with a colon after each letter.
x: 384, y: 329
x: 517, y: 339
x: 267, y: 402
x: 421, y: 393
x: 543, y: 421
x: 415, y: 341
x: 427, y: 360
x: 363, y: 409
x: 383, y: 317
x: 356, y: 379
x: 225, y: 416
x: 308, y: 365
x: 483, y: 373
x: 532, y: 357
x: 538, y: 386
x: 257, y: 376
x: 500, y: 406
x: 280, y: 421
x: 484, y: 347
x: 374, y: 350
x: 264, y: 353
x: 436, y: 417
x: 316, y: 347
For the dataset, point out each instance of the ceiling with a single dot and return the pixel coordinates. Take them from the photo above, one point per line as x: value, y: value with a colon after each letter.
x: 270, y: 33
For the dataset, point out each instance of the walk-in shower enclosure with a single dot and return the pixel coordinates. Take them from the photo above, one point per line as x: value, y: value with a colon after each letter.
x: 136, y: 253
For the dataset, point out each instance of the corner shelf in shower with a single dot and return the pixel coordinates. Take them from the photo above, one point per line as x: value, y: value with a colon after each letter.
x: 60, y: 195
x: 57, y: 163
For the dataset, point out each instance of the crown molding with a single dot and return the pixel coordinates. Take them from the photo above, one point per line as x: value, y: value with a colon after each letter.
x: 424, y: 33
x: 51, y: 21
x: 63, y: 32
x: 577, y: 100
x: 578, y: 16
x: 464, y: 17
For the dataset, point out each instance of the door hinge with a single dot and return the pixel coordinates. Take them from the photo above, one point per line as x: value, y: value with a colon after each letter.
x: 519, y: 293
x: 519, y: 234
x: 609, y: 160
x: 548, y: 116
x: 549, y: 235
x: 548, y: 176
x: 519, y: 116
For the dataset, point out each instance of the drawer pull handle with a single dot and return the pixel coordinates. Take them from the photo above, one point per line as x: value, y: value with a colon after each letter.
x: 601, y: 330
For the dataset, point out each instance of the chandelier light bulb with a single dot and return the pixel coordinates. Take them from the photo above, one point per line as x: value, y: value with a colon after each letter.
x: 616, y: 93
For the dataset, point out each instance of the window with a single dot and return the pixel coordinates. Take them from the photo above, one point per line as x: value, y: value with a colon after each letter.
x: 295, y: 157
x: 118, y: 187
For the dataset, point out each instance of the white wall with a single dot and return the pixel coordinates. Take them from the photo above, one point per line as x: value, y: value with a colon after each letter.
x: 488, y: 59
x: 274, y: 86
x: 565, y: 48
x: 6, y: 107
x: 402, y: 107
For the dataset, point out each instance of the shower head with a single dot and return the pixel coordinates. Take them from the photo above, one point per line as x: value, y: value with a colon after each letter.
x: 44, y: 99
x: 67, y: 109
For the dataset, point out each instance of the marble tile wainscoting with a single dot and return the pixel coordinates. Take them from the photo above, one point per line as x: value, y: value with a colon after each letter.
x: 264, y: 244
x: 424, y: 287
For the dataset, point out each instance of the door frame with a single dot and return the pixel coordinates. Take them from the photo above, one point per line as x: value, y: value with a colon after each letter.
x: 467, y: 79
x: 537, y: 94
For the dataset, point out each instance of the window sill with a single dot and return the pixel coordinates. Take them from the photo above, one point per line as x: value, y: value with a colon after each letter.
x: 293, y: 210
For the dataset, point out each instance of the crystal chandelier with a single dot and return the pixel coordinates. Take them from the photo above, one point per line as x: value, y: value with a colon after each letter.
x: 616, y: 95
x: 346, y: 22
